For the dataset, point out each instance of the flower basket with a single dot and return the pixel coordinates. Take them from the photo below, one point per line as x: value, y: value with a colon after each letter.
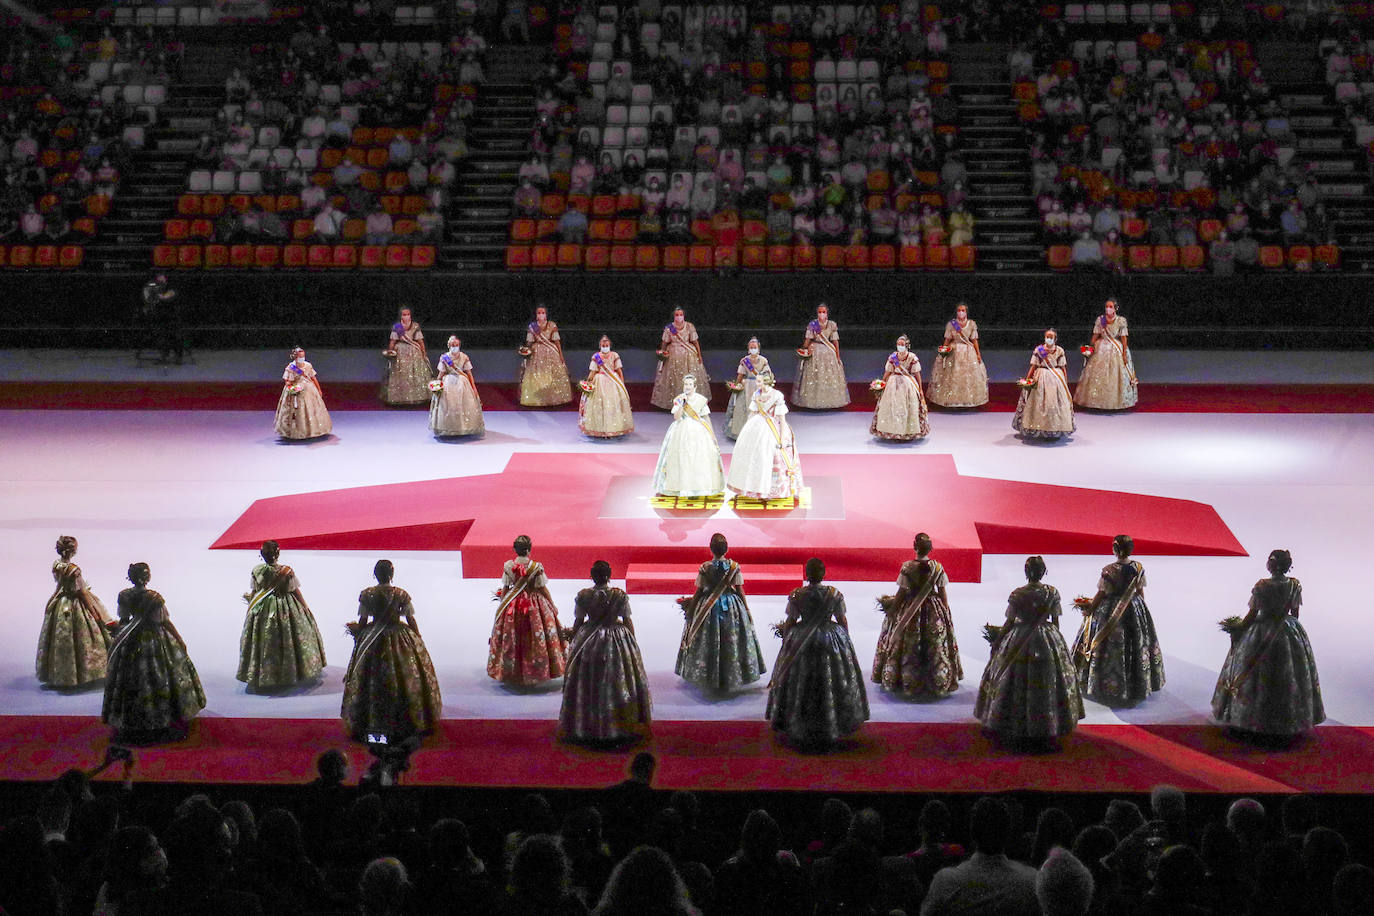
x: 1025, y: 384
x: 587, y: 387
x: 1086, y: 350
x: 734, y: 386
x: 945, y: 350
x: 877, y: 385
x: 295, y: 388
x: 803, y: 353
x: 524, y: 352
x: 436, y: 385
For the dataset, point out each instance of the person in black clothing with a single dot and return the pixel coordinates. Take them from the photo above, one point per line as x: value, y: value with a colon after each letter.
x: 630, y: 804
x: 162, y: 318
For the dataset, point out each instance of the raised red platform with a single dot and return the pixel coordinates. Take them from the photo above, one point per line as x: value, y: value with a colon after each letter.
x: 863, y: 512
x: 680, y: 579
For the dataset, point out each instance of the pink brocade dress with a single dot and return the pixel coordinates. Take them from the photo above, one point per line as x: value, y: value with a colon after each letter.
x: 526, y: 645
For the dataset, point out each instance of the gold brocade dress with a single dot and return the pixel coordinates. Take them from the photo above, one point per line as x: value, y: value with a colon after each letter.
x: 407, y: 373
x: 605, y: 413
x: 737, y: 408
x: 959, y: 379
x: 820, y: 377
x: 456, y: 409
x: 301, y: 413
x: 544, y: 374
x: 74, y: 643
x: 280, y: 645
x: 1108, y: 380
x: 1045, y: 411
x: 917, y: 653
x: 901, y: 414
x: 605, y: 692
x: 684, y: 357
x: 151, y: 683
x: 390, y: 687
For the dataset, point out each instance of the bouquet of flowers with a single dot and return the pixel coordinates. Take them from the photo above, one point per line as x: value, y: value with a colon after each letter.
x: 887, y: 604
x: 1084, y: 604
x: 685, y: 602
x: 661, y: 354
x: 803, y: 353
x: 1232, y: 626
x: 877, y: 385
x: 295, y: 388
x: 586, y: 386
x: 436, y: 385
x: 945, y: 349
x: 524, y: 352
x: 779, y: 629
x: 1086, y: 351
x: 389, y: 354
x: 992, y: 633
x: 733, y: 385
x: 354, y: 628
x: 1025, y: 383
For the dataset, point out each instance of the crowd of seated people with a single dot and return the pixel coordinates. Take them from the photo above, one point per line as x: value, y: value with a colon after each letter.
x: 631, y: 849
x: 1162, y: 141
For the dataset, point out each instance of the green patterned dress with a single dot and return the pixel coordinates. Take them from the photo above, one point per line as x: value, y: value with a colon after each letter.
x: 1030, y: 687
x: 817, y: 695
x: 152, y: 684
x: 1119, y: 660
x: 281, y: 643
x: 719, y: 649
x: 74, y: 643
x: 390, y: 687
x: 917, y: 654
x: 605, y: 692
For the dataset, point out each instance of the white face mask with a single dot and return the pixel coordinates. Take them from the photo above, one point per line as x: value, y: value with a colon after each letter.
x: 541, y: 317
x: 962, y: 316
x: 453, y: 349
x: 1111, y: 312
x: 901, y: 348
x: 1049, y: 341
x: 753, y: 351
x: 605, y: 348
x: 300, y: 360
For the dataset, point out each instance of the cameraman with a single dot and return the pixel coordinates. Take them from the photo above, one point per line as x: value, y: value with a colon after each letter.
x: 162, y: 315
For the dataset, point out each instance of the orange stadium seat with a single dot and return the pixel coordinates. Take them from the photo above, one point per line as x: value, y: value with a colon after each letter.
x: 344, y: 256
x: 1138, y: 257
x: 804, y: 257
x: 646, y: 257
x: 569, y: 256
x: 700, y: 257
x: 422, y: 257
x: 882, y: 257
x: 937, y: 257
x: 1192, y: 257
x: 216, y: 256
x: 1166, y: 257
x: 911, y: 257
x: 622, y: 257
x: 318, y: 256
x: 372, y: 257
x: 1300, y: 257
x: 176, y: 230
x: 726, y: 256
x: 189, y: 205
x: 1328, y: 256
x: 779, y: 257
x: 600, y: 230
x: 71, y: 256
x: 856, y: 257
x: 522, y: 230
x: 963, y: 257
x: 241, y: 255
x: 45, y: 256
x: 188, y: 257
x: 1208, y: 230
x: 596, y: 257
x: 753, y: 257
x: 163, y: 256
x: 1060, y: 258
x: 397, y: 256
x: 517, y: 257
x: 266, y: 256
x: 212, y: 205
x: 675, y: 257
x: 544, y: 257
x: 1271, y: 256
x: 293, y: 256
x: 22, y: 256
x: 832, y: 257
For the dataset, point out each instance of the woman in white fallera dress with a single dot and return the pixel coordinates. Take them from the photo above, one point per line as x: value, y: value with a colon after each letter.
x: 301, y: 413
x: 750, y: 368
x: 456, y: 408
x: 901, y: 414
x: 689, y: 460
x: 764, y: 464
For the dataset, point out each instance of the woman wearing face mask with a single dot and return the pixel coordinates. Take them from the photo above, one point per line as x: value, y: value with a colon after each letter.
x: 407, y: 373
x: 901, y: 415
x: 820, y: 377
x: 679, y: 355
x: 959, y: 378
x: 1108, y: 379
x: 765, y: 464
x: 689, y: 459
x: 543, y: 371
x: 747, y: 375
x: 604, y: 412
x: 456, y: 408
x: 301, y: 413
x: 1045, y: 410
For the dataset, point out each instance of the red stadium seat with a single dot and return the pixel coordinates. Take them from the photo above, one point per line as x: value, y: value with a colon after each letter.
x: 354, y: 230
x: 522, y: 230
x: 596, y: 257
x: 293, y: 256
x: 45, y: 256
x: 176, y: 230
x: 779, y: 257
x: 422, y: 257
x: 726, y: 256
x: 545, y: 229
x: 646, y: 257
x: 553, y: 204
x: 675, y: 257
x: 301, y: 229
x: 1139, y: 257
x: 397, y: 257
x: 544, y: 257
x: 912, y: 257
x: 832, y: 257
x: 600, y: 230
x: 622, y: 257
x: 188, y: 257
x: 1300, y: 257
x: 856, y: 257
x: 1166, y: 257
x: 517, y: 257
x: 189, y: 205
x: 937, y: 257
x: 344, y: 256
x: 202, y: 229
x: 805, y: 257
x: 882, y: 257
x: 603, y: 205
x: 22, y: 256
x: 1328, y: 256
x: 71, y: 256
x: 753, y: 257
x: 1060, y: 258
x: 212, y: 205
x: 569, y: 256
x: 163, y: 256
x: 319, y: 256
x: 625, y: 230
x: 1271, y: 257
x: 963, y: 257
x: 700, y: 257
x: 216, y: 256
x: 1133, y: 227
x: 241, y: 255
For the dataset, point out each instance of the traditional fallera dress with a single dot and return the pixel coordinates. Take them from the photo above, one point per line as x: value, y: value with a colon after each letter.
x: 151, y: 683
x: 1268, y: 684
x: 917, y: 653
x: 1030, y: 687
x: 74, y: 642
x: 301, y: 413
x: 281, y: 643
x: 544, y: 374
x: 456, y: 409
x: 407, y: 373
x: 719, y: 648
x: 901, y: 414
x: 526, y: 645
x: 1108, y: 380
x: 959, y: 379
x: 1046, y: 410
x: 817, y: 695
x: 1117, y: 650
x: 820, y: 377
x: 737, y: 409
x: 765, y: 464
x: 605, y: 413
x: 605, y: 692
x: 689, y: 460
x: 683, y: 350
x: 390, y: 687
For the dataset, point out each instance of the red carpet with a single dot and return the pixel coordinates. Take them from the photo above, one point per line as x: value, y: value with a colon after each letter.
x: 587, y: 512
x: 738, y: 756
x: 1154, y: 398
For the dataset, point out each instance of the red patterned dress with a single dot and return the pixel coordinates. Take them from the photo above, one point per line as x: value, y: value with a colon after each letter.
x: 527, y: 645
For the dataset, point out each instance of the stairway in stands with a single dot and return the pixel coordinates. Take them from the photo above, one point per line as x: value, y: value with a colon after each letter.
x: 1007, y: 226
x: 479, y: 209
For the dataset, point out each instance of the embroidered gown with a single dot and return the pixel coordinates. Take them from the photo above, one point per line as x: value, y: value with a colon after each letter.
x: 151, y: 683
x: 959, y: 379
x: 605, y: 413
x: 407, y: 373
x: 765, y: 463
x: 719, y: 648
x: 544, y: 374
x: 820, y: 378
x: 1030, y: 687
x: 1045, y: 411
x: 917, y: 653
x: 737, y: 408
x: 901, y: 414
x: 390, y: 687
x: 605, y: 692
x: 817, y: 695
x: 74, y: 642
x: 301, y: 414
x: 689, y: 460
x: 1125, y: 666
x: 281, y: 643
x: 1268, y: 684
x: 526, y: 645
x: 684, y: 357
x: 456, y: 410
x: 1108, y: 380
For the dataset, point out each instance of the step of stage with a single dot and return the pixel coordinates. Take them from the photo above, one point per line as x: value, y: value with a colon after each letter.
x: 680, y: 579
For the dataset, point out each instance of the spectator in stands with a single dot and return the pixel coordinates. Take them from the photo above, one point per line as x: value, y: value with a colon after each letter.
x: 540, y: 878
x: 384, y: 888
x: 761, y: 877
x: 400, y: 151
x: 328, y: 223
x: 378, y: 226
x: 1063, y: 885
x: 347, y: 173
x: 430, y: 225
x: 31, y: 223
x: 527, y: 199
x: 1087, y: 251
x: 1293, y: 223
x: 961, y: 226
x: 572, y: 226
x: 988, y: 882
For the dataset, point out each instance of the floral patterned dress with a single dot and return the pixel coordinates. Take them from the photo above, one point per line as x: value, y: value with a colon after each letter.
x: 901, y: 414
x: 74, y: 642
x: 526, y: 645
x: 456, y: 409
x: 959, y: 379
x: 281, y: 643
x: 1046, y: 410
x: 152, y: 684
x: 605, y: 412
x: 820, y: 377
x: 1117, y: 651
x: 719, y: 649
x: 917, y: 653
x: 737, y: 408
x: 1268, y: 684
x: 684, y: 357
x: 390, y: 687
x: 605, y: 692
x: 817, y: 695
x: 301, y: 413
x: 1108, y: 380
x: 544, y: 373
x: 1030, y: 687
x: 407, y: 373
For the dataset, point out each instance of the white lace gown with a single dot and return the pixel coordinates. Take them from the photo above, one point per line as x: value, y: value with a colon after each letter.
x: 689, y: 460
x: 765, y: 464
